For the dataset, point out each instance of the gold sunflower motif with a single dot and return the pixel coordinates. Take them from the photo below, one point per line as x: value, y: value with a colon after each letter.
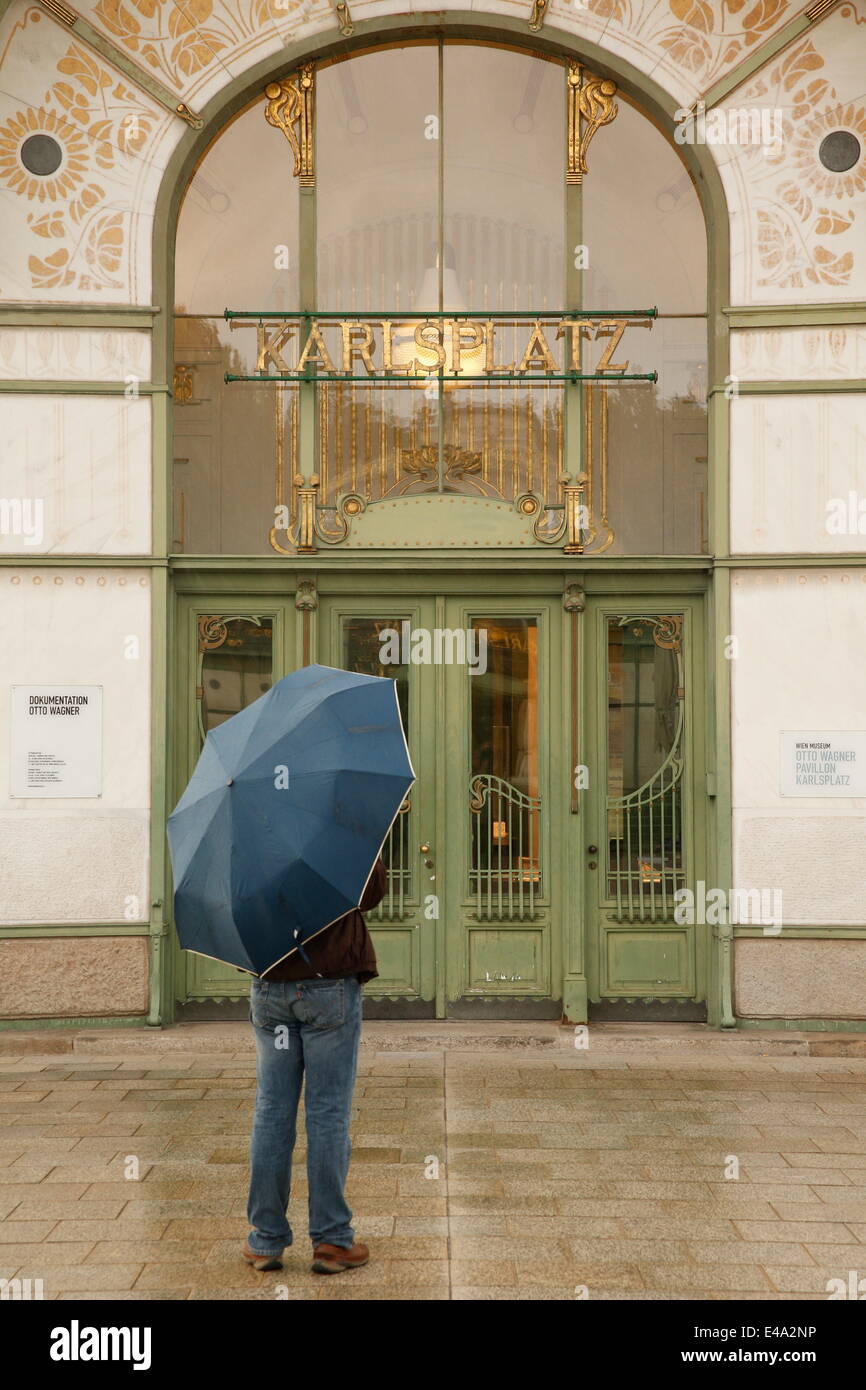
x: 807, y: 142
x: 74, y: 165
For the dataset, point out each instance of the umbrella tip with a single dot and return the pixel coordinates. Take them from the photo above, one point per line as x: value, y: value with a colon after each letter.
x: 230, y: 782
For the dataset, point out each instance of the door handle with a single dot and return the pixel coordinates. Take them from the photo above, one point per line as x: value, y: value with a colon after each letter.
x: 592, y: 849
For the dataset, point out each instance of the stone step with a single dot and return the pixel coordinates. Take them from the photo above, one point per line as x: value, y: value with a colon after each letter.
x: 689, y: 1039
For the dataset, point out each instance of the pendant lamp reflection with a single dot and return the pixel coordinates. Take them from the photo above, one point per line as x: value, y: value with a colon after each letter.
x: 467, y: 359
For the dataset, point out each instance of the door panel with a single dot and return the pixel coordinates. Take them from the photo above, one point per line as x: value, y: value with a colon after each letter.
x: 373, y: 638
x: 646, y: 822
x: 502, y: 908
x: 466, y: 927
x: 227, y: 657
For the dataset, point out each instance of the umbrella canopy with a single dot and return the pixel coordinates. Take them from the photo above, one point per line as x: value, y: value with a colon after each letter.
x: 290, y: 803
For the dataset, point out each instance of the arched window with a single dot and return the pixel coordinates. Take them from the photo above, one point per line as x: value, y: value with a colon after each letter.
x: 442, y: 185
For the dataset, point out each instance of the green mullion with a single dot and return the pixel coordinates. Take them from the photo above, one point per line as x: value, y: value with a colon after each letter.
x: 308, y: 434
x: 720, y: 790
x: 160, y: 883
x: 572, y: 405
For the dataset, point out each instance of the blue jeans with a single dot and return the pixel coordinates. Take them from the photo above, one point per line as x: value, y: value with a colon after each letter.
x: 306, y: 1028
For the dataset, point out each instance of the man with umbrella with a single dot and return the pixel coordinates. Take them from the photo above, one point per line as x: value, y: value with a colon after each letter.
x: 276, y: 851
x: 307, y: 1019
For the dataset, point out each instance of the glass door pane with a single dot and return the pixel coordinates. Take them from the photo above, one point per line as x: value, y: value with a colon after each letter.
x: 505, y: 865
x: 644, y: 766
x: 368, y: 646
x: 236, y: 665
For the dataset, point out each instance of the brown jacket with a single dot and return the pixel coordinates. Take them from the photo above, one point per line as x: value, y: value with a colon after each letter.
x: 343, y: 948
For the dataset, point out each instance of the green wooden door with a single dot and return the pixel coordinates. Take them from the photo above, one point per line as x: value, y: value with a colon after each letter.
x: 470, y: 924
x: 228, y: 653
x: 501, y: 810
x: 646, y: 807
x: 370, y: 636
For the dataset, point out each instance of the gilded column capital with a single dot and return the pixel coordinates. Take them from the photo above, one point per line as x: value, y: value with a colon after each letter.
x: 590, y: 106
x: 290, y: 109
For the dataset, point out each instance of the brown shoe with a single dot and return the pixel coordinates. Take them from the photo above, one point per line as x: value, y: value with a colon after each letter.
x: 262, y: 1261
x: 333, y: 1259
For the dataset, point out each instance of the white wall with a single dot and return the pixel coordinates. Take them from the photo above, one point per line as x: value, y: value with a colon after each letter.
x: 795, y: 461
x: 79, y: 860
x: 800, y: 666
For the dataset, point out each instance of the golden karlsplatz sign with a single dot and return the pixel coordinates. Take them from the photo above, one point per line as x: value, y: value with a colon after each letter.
x: 458, y: 347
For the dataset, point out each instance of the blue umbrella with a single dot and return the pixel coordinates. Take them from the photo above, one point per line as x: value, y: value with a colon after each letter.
x: 286, y: 812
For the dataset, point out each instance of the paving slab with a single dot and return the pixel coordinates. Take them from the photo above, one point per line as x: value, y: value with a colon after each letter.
x: 555, y: 1178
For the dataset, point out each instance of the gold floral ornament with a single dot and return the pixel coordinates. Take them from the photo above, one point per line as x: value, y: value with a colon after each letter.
x: 53, y: 187
x: 827, y: 183
x: 176, y: 40
x: 99, y: 124
x: 708, y: 37
x: 788, y: 181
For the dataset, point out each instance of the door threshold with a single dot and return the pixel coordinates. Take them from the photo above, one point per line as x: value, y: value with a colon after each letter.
x: 647, y: 1011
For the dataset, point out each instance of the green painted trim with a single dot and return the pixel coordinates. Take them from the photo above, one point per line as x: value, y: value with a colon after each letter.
x: 785, y: 561
x: 759, y: 57
x: 361, y: 315
x: 201, y: 575
x: 597, y: 572
x: 160, y: 448
x: 38, y: 1024
x: 803, y: 1025
x: 11, y: 930
x: 159, y: 742
x: 83, y: 316
x: 794, y: 387
x: 47, y: 558
x: 794, y: 315
x: 803, y: 932
x: 432, y: 558
x: 82, y: 388
x: 493, y: 380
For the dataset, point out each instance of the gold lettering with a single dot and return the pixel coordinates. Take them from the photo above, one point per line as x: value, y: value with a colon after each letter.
x: 459, y: 344
x: 269, y: 348
x: 422, y: 341
x: 353, y: 348
x: 490, y: 367
x: 580, y: 328
x: 537, y: 352
x: 315, y: 351
x: 617, y: 327
x: 388, y: 350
